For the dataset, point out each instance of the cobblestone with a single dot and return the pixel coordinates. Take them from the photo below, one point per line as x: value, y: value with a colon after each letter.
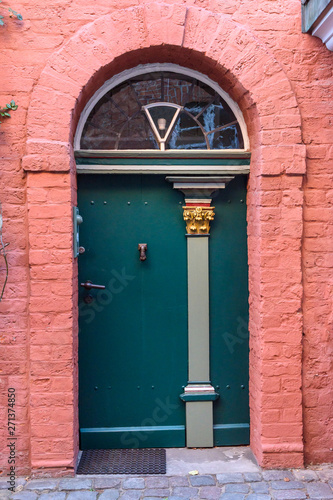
x: 230, y: 478
x: 232, y: 496
x: 134, y: 483
x: 74, y: 483
x: 157, y: 482
x: 178, y: 481
x: 82, y: 495
x: 101, y: 483
x: 156, y: 492
x: 286, y: 485
x: 289, y: 495
x: 4, y: 483
x: 131, y: 495
x: 319, y: 490
x: 211, y: 492
x: 277, y: 475
x: 53, y: 496
x: 237, y: 488
x: 202, y: 480
x: 4, y: 494
x: 25, y: 495
x: 260, y: 487
x: 305, y: 484
x: 109, y: 495
x: 305, y: 475
x: 254, y: 496
x: 37, y: 484
x: 185, y: 492
x: 252, y: 477
x: 325, y: 475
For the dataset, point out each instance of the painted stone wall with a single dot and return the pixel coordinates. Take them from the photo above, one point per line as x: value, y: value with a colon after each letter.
x: 51, y: 63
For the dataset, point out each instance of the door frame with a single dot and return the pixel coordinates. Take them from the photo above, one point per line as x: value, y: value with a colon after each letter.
x: 97, y: 162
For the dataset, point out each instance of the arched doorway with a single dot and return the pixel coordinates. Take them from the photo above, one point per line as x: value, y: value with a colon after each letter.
x: 71, y: 75
x: 163, y: 348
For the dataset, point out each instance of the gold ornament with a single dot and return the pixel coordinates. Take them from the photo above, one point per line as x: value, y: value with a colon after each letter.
x: 198, y: 218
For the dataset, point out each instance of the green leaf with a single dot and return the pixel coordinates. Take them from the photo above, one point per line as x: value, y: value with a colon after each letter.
x: 16, y: 14
x: 12, y: 102
x: 6, y: 114
x: 8, y: 106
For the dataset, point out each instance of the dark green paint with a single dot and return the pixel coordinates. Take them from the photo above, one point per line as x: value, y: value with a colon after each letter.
x: 229, y: 341
x: 199, y: 397
x: 158, y: 436
x: 134, y: 334
x: 162, y: 161
x: 137, y: 337
x: 231, y: 434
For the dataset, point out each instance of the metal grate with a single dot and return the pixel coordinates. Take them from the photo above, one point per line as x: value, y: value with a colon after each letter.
x: 136, y: 461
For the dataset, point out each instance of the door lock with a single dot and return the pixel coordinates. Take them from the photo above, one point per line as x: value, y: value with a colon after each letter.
x: 88, y: 299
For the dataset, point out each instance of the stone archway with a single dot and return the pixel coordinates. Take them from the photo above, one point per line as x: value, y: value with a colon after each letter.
x: 231, y: 55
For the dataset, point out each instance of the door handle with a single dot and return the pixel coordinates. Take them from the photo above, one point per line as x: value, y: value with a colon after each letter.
x: 88, y: 285
x: 142, y: 247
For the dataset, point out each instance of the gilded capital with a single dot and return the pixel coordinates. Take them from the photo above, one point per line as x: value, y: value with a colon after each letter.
x: 198, y: 219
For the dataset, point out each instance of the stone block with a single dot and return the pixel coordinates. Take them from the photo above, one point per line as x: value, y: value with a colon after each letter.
x: 156, y: 492
x: 131, y: 495
x: 134, y: 483
x: 252, y: 477
x: 232, y: 496
x: 56, y: 495
x: 288, y: 495
x: 260, y: 487
x: 82, y: 495
x: 320, y: 491
x: 75, y: 484
x: 202, y: 481
x: 210, y: 492
x: 276, y: 475
x: 101, y: 483
x: 157, y: 482
x: 230, y: 478
x: 109, y: 495
x: 237, y: 488
x: 287, y: 485
x: 42, y: 484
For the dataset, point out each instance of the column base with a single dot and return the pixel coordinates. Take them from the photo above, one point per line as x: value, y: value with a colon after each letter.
x: 199, y: 424
x: 199, y: 399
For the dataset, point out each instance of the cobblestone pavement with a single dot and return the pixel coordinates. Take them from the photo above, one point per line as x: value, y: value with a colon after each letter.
x: 294, y: 484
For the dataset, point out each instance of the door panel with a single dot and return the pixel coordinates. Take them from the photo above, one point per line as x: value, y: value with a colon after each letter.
x: 133, y: 336
x: 229, y: 342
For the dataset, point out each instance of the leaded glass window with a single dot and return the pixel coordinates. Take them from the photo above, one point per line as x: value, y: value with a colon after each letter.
x: 161, y: 110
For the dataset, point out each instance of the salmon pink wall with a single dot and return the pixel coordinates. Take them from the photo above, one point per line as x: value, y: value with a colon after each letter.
x: 52, y: 62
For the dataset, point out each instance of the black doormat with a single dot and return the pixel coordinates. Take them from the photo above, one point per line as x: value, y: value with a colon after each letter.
x: 136, y: 461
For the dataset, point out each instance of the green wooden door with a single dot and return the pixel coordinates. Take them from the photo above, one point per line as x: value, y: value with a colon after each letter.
x: 133, y: 335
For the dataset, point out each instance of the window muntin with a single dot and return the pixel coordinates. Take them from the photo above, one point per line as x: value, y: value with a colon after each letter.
x: 119, y: 122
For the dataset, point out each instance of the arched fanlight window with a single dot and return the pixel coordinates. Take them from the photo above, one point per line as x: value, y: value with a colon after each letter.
x: 161, y: 110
